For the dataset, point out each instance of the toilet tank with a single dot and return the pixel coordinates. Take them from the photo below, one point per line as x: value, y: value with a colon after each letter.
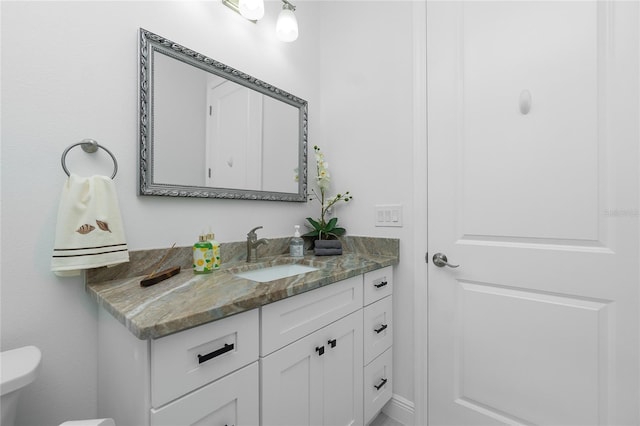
x: 19, y: 367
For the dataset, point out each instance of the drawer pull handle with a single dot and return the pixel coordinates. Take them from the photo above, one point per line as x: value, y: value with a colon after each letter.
x: 381, y: 384
x: 320, y: 350
x: 380, y: 284
x: 204, y: 358
x: 382, y: 328
x: 332, y: 343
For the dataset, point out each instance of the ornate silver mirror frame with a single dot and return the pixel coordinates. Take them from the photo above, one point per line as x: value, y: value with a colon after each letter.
x: 152, y: 46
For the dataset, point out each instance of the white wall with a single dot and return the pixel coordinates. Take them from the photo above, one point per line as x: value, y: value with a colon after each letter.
x: 366, y: 131
x: 69, y: 71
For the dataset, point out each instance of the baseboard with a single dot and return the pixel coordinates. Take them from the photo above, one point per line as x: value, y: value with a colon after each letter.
x: 400, y: 409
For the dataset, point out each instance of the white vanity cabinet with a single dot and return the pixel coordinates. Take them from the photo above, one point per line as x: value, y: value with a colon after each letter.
x: 322, y: 357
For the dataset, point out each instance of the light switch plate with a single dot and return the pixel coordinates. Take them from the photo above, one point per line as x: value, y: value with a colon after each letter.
x: 388, y: 215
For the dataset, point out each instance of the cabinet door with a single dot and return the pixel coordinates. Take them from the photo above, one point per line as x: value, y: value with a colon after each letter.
x: 291, y: 384
x: 342, y: 372
x: 316, y: 380
x: 232, y: 400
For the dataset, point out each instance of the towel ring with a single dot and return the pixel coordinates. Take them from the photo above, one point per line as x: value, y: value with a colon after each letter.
x: 90, y: 146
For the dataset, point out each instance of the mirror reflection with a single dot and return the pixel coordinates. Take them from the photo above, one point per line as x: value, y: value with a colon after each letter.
x: 208, y: 130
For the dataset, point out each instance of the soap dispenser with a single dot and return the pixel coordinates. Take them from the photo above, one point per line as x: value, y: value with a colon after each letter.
x: 202, y: 256
x: 296, y: 246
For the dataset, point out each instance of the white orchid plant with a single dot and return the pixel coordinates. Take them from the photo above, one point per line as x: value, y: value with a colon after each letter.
x: 321, y: 228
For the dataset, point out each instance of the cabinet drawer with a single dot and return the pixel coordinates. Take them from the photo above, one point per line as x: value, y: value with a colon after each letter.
x: 378, y: 284
x: 290, y: 319
x: 192, y: 358
x: 378, y: 384
x: 378, y: 328
x: 232, y: 400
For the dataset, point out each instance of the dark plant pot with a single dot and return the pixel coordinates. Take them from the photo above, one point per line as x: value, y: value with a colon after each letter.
x: 327, y: 247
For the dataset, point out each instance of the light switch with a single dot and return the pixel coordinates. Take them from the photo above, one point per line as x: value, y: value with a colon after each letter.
x: 388, y: 215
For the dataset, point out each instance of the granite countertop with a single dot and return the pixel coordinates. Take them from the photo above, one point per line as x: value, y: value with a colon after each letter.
x: 187, y: 300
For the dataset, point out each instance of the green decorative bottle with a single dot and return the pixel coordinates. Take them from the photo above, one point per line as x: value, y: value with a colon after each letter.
x: 202, y: 256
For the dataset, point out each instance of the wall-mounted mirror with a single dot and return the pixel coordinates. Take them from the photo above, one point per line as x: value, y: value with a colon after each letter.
x: 209, y: 130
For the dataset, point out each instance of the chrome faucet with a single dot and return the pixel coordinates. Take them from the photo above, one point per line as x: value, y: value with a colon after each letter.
x: 253, y: 243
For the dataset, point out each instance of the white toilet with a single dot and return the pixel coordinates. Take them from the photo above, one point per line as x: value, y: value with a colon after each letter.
x: 18, y: 368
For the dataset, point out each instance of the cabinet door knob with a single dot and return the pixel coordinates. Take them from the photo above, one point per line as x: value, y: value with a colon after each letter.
x: 332, y: 343
x: 320, y: 350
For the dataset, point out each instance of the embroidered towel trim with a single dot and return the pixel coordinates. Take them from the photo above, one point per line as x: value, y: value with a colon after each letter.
x: 89, y: 231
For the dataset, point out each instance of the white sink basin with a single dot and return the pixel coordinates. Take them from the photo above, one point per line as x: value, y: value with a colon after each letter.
x: 275, y: 272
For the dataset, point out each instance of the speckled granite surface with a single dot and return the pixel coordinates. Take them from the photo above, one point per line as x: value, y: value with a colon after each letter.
x: 188, y: 300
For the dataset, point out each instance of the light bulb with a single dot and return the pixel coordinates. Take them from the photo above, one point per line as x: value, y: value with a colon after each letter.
x: 287, y: 25
x: 252, y: 9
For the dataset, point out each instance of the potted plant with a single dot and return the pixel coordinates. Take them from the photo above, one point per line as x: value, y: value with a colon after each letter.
x: 325, y: 232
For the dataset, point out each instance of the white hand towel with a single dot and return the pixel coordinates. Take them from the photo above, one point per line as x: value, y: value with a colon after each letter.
x: 89, y: 232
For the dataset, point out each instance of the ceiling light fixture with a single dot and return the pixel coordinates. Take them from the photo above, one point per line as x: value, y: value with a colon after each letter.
x: 287, y: 24
x: 253, y: 10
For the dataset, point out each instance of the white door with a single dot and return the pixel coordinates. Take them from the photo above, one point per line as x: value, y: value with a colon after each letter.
x: 533, y: 190
x: 234, y: 137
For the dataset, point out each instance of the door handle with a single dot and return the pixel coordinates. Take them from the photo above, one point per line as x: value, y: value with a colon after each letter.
x: 441, y: 260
